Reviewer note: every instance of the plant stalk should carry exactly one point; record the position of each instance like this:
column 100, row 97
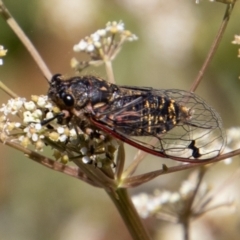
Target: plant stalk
column 6, row 15
column 185, row 226
column 213, row 48
column 129, row 214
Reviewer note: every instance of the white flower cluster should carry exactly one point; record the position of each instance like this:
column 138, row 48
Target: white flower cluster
column 105, row 43
column 233, row 142
column 168, row 205
column 28, row 129
column 148, row 205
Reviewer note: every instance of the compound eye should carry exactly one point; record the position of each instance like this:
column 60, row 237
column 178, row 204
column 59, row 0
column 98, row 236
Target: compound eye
column 67, row 99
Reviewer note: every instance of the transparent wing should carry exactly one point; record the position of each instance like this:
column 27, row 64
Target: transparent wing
column 167, row 123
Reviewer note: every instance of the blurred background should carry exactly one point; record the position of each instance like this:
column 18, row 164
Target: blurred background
column 174, row 38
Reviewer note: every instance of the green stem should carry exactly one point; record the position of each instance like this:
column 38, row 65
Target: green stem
column 213, row 48
column 25, row 40
column 109, row 70
column 129, row 214
column 185, row 226
column 8, row 90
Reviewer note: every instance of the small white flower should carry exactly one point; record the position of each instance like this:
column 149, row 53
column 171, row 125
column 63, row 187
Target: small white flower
column 97, row 44
column 12, row 106
column 62, row 138
column 10, row 126
column 141, row 201
column 38, row 126
column 20, row 139
column 86, row 160
column 41, row 136
column 28, row 132
column 17, row 124
column 37, row 114
column 48, row 105
column 60, row 130
column 186, row 187
column 3, row 119
column 4, row 109
column 81, row 46
column 132, row 37
column 34, row 137
column 175, row 197
column 236, row 39
column 115, row 27
column 3, row 52
column 41, row 101
column 54, row 136
column 233, row 135
column 95, row 37
column 227, row 161
column 49, row 115
column 72, row 133
column 90, row 48
column 39, row 145
column 165, row 196
column 18, row 103
column 28, row 117
column 102, row 32
column 120, row 26
column 153, row 204
column 29, row 105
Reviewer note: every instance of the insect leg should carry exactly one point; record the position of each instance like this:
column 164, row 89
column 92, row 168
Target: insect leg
column 57, row 116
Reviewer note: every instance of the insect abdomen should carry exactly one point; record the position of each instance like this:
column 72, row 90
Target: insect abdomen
column 151, row 115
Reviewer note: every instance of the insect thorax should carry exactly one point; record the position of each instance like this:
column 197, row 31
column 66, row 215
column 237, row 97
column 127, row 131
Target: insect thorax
column 83, row 90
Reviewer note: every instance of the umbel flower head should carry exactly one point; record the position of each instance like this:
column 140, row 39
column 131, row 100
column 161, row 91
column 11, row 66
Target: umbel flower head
column 22, row 122
column 32, row 123
column 193, row 199
column 103, row 45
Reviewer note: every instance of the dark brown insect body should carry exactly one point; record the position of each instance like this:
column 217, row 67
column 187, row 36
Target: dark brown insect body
column 185, row 128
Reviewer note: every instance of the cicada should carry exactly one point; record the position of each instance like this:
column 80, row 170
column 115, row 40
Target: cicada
column 168, row 123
